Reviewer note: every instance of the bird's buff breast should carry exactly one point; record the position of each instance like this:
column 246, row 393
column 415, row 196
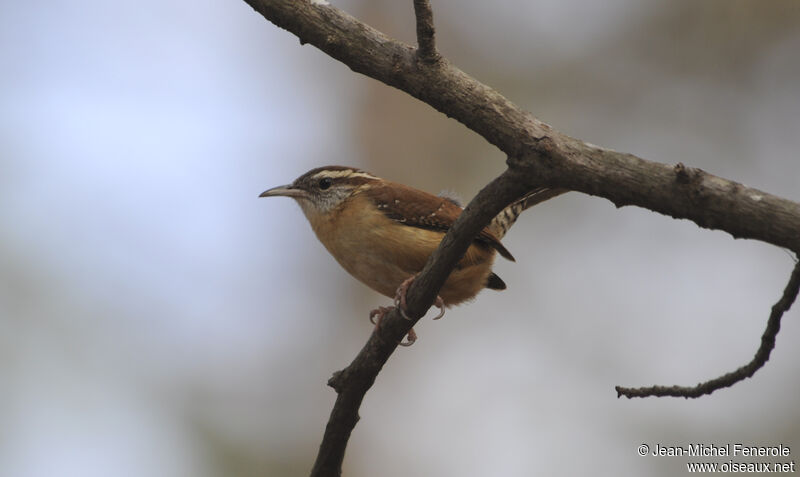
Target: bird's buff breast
column 382, row 253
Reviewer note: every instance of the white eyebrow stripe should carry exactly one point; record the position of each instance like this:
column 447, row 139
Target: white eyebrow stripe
column 344, row 173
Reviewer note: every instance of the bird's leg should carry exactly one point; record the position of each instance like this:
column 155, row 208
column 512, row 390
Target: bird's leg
column 376, row 315
column 400, row 299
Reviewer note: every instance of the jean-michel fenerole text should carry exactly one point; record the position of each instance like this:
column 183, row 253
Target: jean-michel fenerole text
column 722, row 450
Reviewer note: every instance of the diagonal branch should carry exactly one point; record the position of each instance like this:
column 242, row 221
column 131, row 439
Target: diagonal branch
column 353, row 382
column 746, row 371
column 425, row 32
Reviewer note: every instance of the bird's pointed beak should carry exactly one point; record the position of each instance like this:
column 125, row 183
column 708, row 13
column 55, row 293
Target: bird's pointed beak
column 284, row 191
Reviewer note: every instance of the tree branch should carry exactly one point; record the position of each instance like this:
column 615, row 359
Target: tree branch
column 426, row 40
column 354, row 381
column 543, row 155
column 759, row 360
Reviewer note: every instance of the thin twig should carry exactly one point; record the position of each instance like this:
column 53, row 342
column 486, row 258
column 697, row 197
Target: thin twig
column 426, row 34
column 746, row 371
column 353, row 382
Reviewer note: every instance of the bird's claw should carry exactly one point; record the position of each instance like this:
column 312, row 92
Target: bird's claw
column 376, row 315
column 439, row 303
column 411, row 336
column 400, row 299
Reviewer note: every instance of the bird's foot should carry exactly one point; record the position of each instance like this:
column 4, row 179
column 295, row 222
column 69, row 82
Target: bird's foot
column 400, row 299
column 376, row 315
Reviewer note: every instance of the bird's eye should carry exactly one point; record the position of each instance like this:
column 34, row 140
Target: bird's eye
column 324, row 183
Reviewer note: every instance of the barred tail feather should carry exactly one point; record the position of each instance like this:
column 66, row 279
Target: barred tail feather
column 506, row 218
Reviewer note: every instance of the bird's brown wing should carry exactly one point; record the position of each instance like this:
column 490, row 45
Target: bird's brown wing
column 421, row 209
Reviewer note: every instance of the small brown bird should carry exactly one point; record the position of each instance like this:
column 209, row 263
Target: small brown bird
column 383, row 232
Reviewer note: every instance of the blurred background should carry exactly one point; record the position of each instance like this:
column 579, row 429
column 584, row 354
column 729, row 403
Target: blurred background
column 157, row 318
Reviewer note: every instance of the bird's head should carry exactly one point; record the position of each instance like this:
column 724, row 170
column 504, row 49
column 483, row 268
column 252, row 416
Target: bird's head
column 321, row 190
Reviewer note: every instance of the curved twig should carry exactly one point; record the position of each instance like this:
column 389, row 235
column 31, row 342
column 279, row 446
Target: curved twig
column 729, row 379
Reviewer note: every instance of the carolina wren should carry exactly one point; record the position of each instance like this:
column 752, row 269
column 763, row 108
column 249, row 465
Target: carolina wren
column 383, row 232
